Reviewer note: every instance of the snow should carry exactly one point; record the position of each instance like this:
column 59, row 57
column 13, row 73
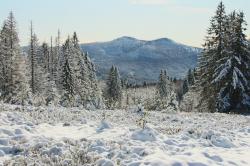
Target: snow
column 104, row 125
column 176, row 139
column 144, row 135
column 104, row 162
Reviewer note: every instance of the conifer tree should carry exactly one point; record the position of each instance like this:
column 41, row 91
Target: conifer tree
column 231, row 76
column 13, row 79
column 50, row 93
column 224, row 66
column 46, row 57
column 88, row 89
column 185, row 87
column 58, row 57
column 212, row 52
column 20, row 94
column 163, row 91
column 190, row 77
column 37, row 74
column 96, row 98
column 113, row 91
column 68, row 80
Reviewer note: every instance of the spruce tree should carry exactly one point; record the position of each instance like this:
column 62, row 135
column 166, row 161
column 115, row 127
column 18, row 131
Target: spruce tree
column 67, row 75
column 231, row 76
column 213, row 50
column 185, row 87
column 50, row 93
column 20, row 94
column 58, row 57
column 3, row 65
column 96, row 98
column 165, row 96
column 13, row 79
column 38, row 76
column 113, row 91
column 45, row 57
column 190, row 77
column 223, row 73
column 162, row 89
column 88, row 89
column 88, row 80
column 33, row 61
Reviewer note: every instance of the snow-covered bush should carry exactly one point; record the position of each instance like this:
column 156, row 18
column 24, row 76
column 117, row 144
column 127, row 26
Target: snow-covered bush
column 77, row 155
column 142, row 121
column 190, row 101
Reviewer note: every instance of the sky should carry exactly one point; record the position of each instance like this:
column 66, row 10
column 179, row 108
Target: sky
column 184, row 21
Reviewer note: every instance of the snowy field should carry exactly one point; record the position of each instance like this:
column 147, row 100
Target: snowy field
column 60, row 136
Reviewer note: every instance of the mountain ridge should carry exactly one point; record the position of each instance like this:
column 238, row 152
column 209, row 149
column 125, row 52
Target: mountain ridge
column 141, row 60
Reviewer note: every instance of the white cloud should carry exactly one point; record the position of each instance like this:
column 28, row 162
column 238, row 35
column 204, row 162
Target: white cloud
column 148, row 2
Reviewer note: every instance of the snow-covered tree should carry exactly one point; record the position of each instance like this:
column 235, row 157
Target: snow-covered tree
column 113, row 91
column 190, row 101
column 78, row 83
column 190, row 77
column 214, row 48
column 223, row 80
column 163, row 86
column 94, row 90
column 21, row 90
column 45, row 57
column 50, row 93
column 13, row 79
column 3, row 58
column 67, row 76
column 37, row 74
column 165, row 96
column 185, row 87
column 231, row 75
column 88, row 92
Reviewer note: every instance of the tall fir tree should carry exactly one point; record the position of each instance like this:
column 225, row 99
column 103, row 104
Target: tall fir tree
column 231, row 75
column 113, row 91
column 45, row 57
column 190, row 77
column 67, row 75
column 185, row 87
column 162, row 86
column 224, row 66
column 58, row 55
column 13, row 79
column 21, row 92
column 164, row 92
column 50, row 92
column 85, row 81
column 213, row 50
column 37, row 73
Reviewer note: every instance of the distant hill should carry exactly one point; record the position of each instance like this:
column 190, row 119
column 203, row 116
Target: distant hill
column 142, row 60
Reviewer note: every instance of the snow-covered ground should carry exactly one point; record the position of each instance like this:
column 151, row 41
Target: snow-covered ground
column 60, row 136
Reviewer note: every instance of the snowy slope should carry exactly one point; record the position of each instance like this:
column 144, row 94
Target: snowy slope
column 59, row 135
column 142, row 59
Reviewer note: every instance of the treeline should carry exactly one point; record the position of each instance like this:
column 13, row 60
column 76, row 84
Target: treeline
column 158, row 96
column 58, row 75
column 62, row 74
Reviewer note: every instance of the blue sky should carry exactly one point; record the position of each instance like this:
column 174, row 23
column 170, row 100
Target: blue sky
column 184, row 21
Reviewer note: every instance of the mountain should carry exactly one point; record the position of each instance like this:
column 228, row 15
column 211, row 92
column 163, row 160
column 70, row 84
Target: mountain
column 142, row 60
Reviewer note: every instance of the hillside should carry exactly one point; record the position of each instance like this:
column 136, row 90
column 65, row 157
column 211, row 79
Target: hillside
column 142, row 60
